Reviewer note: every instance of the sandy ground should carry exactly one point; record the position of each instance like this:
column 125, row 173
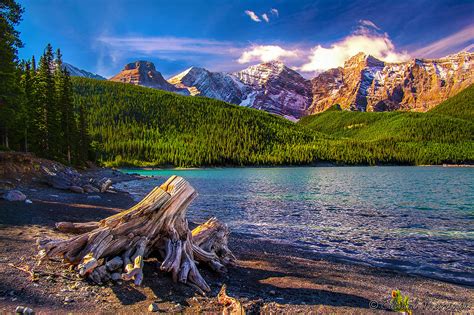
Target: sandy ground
column 268, row 278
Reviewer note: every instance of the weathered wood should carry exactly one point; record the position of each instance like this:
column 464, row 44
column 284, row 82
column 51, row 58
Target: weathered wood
column 157, row 224
column 210, row 245
column 231, row 305
column 69, row 227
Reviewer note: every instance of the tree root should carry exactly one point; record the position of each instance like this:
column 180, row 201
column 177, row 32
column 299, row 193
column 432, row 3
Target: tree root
column 157, row 225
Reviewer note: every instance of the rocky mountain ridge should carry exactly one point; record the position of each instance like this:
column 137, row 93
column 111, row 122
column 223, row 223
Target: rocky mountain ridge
column 364, row 83
column 270, row 86
column 144, row 73
column 368, row 84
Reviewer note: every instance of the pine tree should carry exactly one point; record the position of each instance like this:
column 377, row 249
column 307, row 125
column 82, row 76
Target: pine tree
column 10, row 16
column 65, row 106
column 28, row 105
column 83, row 141
column 48, row 120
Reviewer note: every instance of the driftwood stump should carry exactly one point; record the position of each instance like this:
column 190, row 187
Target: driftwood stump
column 116, row 247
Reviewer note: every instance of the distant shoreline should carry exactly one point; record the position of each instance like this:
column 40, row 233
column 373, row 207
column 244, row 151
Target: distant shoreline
column 164, row 168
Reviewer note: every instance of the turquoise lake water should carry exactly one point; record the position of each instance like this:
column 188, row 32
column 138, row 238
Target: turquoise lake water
column 416, row 219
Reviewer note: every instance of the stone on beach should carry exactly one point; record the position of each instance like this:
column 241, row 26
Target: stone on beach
column 24, row 310
column 14, row 195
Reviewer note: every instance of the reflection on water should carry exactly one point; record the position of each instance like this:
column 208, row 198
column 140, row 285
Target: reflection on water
column 419, row 219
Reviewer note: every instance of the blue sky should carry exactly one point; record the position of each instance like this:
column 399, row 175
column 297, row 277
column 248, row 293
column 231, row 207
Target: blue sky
column 311, row 36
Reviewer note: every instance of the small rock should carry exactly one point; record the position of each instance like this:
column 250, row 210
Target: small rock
column 67, row 299
column 28, row 201
column 23, row 310
column 272, row 292
column 94, row 197
column 153, row 307
column 14, row 195
column 76, row 189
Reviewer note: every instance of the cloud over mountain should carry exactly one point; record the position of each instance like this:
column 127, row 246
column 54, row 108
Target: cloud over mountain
column 380, row 46
column 265, row 53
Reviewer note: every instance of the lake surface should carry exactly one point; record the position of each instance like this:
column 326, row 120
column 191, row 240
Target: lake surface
column 416, row 219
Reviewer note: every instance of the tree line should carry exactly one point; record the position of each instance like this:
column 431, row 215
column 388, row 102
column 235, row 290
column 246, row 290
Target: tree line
column 37, row 113
column 136, row 126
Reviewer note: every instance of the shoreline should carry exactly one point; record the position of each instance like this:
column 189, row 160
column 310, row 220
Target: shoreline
column 282, row 166
column 269, row 276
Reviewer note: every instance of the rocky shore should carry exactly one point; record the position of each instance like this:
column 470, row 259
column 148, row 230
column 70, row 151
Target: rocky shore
column 268, row 277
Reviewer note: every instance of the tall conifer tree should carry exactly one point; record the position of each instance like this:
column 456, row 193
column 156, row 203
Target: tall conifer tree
column 10, row 16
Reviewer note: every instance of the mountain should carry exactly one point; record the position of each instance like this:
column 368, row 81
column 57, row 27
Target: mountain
column 218, row 85
column 364, row 83
column 277, row 89
column 76, row 72
column 271, row 87
column 144, row 73
column 368, row 84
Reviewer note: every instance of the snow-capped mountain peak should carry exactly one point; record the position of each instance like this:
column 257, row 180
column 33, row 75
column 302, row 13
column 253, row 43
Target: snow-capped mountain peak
column 76, row 72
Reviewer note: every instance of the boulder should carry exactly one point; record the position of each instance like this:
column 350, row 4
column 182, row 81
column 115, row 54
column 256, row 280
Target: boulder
column 14, row 195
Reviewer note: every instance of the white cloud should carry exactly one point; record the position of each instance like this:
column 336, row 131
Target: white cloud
column 265, row 17
column 275, row 12
column 266, row 53
column 253, row 16
column 369, row 24
column 449, row 44
column 379, row 46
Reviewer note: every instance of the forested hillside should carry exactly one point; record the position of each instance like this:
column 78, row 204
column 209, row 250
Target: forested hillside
column 131, row 125
column 136, row 126
column 459, row 106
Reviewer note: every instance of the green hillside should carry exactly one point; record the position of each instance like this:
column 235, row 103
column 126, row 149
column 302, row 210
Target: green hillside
column 137, row 126
column 459, row 106
column 132, row 125
column 396, row 126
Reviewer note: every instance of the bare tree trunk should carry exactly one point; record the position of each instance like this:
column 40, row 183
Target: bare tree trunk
column 156, row 225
